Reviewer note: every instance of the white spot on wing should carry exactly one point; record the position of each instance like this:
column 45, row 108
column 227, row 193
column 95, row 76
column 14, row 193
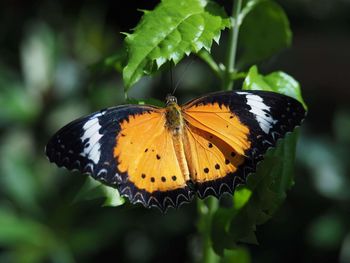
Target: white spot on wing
column 91, row 134
column 259, row 109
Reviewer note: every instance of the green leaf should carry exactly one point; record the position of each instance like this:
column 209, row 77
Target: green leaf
column 277, row 81
column 255, row 81
column 38, row 51
column 112, row 195
column 113, row 62
column 18, row 179
column 173, row 29
column 247, row 8
column 207, row 57
column 29, row 240
column 285, row 84
column 239, row 255
column 117, row 60
column 93, row 189
column 15, row 230
column 327, row 231
column 17, row 104
column 264, row 31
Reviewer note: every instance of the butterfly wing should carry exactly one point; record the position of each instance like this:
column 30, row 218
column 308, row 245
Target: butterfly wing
column 122, row 147
column 130, row 147
column 149, row 169
column 227, row 133
column 87, row 144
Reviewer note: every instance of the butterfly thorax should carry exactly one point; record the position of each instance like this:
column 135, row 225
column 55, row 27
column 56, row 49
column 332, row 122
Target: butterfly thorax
column 174, row 119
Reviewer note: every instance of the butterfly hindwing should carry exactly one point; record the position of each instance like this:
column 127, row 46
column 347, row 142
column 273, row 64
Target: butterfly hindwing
column 239, row 127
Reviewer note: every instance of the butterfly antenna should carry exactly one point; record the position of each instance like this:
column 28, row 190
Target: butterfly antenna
column 171, row 77
column 182, row 75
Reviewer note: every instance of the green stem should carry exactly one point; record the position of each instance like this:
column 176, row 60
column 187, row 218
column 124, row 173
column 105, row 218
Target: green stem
column 207, row 209
column 205, row 56
column 232, row 45
column 126, row 97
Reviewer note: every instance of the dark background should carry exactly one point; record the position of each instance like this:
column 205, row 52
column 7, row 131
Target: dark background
column 47, row 49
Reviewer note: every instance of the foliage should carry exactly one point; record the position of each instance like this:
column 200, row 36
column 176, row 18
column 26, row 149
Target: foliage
column 171, row 30
column 277, row 81
column 264, row 31
column 49, row 215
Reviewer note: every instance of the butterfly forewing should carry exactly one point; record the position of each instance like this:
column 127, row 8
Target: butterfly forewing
column 87, row 144
column 270, row 116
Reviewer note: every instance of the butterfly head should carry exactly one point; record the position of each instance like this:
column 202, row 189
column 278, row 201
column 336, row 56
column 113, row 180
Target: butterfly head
column 170, row 99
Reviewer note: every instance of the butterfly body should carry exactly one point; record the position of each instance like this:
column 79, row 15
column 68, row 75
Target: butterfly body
column 164, row 156
column 175, row 124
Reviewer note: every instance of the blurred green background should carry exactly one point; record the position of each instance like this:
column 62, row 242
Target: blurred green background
column 49, row 75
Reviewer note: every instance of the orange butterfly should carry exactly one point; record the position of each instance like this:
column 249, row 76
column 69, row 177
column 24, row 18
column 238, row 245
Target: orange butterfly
column 164, row 156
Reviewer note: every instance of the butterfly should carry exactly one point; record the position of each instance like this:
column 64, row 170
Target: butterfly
column 163, row 157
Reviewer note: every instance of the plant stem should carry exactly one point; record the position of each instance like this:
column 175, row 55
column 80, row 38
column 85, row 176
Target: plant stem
column 205, row 56
column 211, row 205
column 232, row 45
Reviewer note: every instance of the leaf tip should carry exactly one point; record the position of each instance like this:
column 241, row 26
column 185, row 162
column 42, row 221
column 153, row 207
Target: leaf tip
column 144, row 11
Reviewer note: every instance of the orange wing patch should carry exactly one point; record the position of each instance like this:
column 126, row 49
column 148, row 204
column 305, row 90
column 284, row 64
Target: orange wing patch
column 209, row 157
column 219, row 121
column 216, row 143
column 145, row 152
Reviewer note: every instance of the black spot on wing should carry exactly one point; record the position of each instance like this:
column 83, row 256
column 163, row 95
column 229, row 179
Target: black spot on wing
column 226, row 184
column 66, row 147
column 160, row 199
